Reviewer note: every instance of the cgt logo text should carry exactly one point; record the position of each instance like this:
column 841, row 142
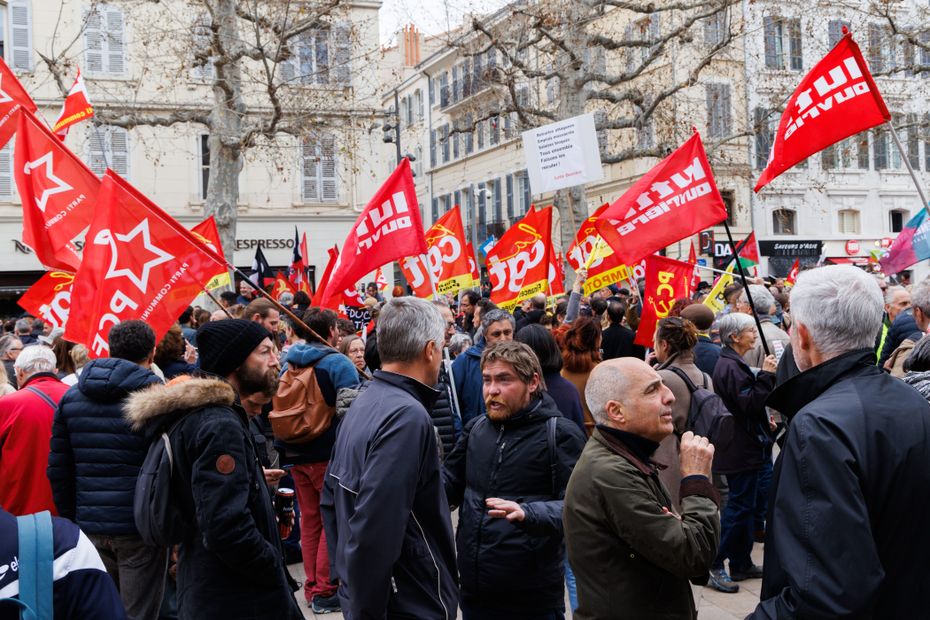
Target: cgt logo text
column 679, row 189
column 382, row 221
column 828, row 93
column 517, row 266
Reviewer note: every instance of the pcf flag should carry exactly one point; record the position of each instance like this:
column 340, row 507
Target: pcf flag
column 139, row 263
column 207, row 233
column 388, row 229
column 76, row 108
column 518, row 264
column 59, row 194
column 666, row 281
column 281, row 286
column 675, row 199
column 911, row 246
column 837, row 99
column 50, row 298
column 13, row 98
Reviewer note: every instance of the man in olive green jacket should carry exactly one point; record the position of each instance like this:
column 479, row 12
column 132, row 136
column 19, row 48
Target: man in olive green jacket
column 632, row 555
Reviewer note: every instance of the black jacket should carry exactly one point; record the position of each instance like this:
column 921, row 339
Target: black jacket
column 95, row 457
column 706, row 354
column 445, row 412
column 744, row 394
column 386, row 516
column 846, row 533
column 903, row 327
column 230, row 565
column 512, row 566
column 617, row 341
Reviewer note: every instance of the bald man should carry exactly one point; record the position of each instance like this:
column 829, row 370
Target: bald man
column 633, row 556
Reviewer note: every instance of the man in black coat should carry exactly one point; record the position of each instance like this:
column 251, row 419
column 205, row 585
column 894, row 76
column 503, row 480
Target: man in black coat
column 847, row 534
column 902, row 327
column 230, row 563
column 508, row 475
column 445, row 413
column 386, row 516
column 617, row 340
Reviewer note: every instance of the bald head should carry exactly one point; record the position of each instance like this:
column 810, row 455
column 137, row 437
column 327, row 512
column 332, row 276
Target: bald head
column 611, row 380
column 628, row 394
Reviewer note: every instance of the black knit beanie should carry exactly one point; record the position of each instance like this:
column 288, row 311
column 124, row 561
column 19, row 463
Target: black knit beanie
column 224, row 345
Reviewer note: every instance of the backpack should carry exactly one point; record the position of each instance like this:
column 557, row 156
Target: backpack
column 36, row 558
column 300, row 414
column 708, row 415
column 158, row 519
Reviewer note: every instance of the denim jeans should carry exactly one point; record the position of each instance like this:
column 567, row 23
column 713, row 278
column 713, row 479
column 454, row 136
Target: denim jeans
column 570, row 585
column 138, row 570
column 737, row 521
column 762, row 495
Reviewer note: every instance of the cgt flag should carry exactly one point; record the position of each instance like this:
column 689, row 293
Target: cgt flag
column 50, row 298
column 672, row 201
column 444, row 267
column 473, row 266
column 604, row 267
column 666, row 281
column 793, row 272
column 59, row 194
column 837, row 99
column 388, row 229
column 519, row 262
column 139, row 263
column 13, row 98
column 76, row 108
column 208, row 234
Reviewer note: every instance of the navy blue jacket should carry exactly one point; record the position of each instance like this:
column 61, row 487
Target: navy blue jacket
column 512, row 567
column 903, row 327
column 95, row 458
column 82, row 588
column 466, row 370
column 846, row 534
column 566, row 397
column 706, row 354
column 386, row 516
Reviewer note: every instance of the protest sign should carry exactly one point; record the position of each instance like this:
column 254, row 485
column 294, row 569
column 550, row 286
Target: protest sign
column 563, row 154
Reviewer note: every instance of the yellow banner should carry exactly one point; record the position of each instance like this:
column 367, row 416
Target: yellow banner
column 525, row 293
column 715, row 300
column 596, row 283
column 220, row 279
column 453, row 285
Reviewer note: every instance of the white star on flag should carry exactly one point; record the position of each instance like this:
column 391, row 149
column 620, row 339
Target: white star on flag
column 4, row 98
column 141, row 282
column 60, row 186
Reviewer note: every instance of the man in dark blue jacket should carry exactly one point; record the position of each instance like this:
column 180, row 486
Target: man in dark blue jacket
column 386, row 514
column 95, row 459
column 508, row 475
column 497, row 326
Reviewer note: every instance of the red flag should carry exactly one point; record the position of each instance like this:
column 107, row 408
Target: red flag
column 50, row 298
column 13, row 98
column 666, row 281
column 692, row 259
column 59, row 194
column 207, row 233
column 837, row 99
column 281, row 286
column 444, row 268
column 333, row 253
column 556, row 274
column 518, row 264
column 672, row 201
column 388, row 229
column 748, row 250
column 76, row 108
column 605, row 268
column 793, row 272
column 139, row 263
column 473, row 266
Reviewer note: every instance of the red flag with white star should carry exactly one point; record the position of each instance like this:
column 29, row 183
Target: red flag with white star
column 13, row 98
column 50, row 298
column 139, row 263
column 76, row 108
column 59, row 193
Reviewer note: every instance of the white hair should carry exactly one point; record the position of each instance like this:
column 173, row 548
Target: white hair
column 733, row 324
column 920, row 296
column 405, row 324
column 891, row 291
column 841, row 306
column 762, row 299
column 35, row 359
column 605, row 383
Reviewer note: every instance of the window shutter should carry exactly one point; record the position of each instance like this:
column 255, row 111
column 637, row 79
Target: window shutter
column 21, row 34
column 6, row 171
column 96, row 149
column 762, row 138
column 527, row 198
column 771, row 43
column 321, row 56
column 432, row 148
column 835, row 31
column 118, row 139
column 795, row 49
column 342, row 54
column 510, row 214
column 456, row 85
column 116, row 61
column 876, row 61
column 498, row 211
column 310, row 172
column 328, row 169
column 94, row 42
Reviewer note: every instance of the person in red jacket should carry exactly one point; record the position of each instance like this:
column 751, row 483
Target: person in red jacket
column 25, row 431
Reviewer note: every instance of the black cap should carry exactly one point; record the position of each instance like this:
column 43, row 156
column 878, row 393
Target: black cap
column 224, row 345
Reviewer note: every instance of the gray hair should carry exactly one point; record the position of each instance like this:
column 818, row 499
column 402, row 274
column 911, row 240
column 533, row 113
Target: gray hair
column 35, row 359
column 495, row 315
column 920, row 296
column 7, row 341
column 841, row 306
column 286, row 298
column 891, row 291
column 405, row 325
column 762, row 299
column 459, row 343
column 605, row 383
column 23, row 326
column 732, row 325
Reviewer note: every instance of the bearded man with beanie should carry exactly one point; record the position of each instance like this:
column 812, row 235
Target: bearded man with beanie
column 230, row 565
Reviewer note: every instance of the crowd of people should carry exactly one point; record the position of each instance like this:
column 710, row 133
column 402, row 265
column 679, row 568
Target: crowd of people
column 451, row 455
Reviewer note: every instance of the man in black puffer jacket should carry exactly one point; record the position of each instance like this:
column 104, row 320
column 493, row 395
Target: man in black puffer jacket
column 508, row 475
column 94, row 461
column 445, row 413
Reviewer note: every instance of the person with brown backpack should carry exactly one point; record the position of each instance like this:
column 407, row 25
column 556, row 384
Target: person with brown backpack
column 304, row 425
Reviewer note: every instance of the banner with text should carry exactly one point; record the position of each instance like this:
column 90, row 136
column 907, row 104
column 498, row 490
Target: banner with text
column 518, row 264
column 666, row 281
column 563, row 154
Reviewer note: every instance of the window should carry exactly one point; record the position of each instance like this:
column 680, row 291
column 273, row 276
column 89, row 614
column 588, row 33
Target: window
column 881, row 49
column 783, row 43
column 896, row 219
column 418, row 103
column 202, row 66
column 108, row 147
column 783, row 222
column 510, row 204
column 716, row 28
column 203, row 163
column 523, row 194
column 851, row 153
column 444, row 89
column 104, row 41
column 320, row 57
column 765, row 126
column 455, row 143
column 319, row 169
column 435, row 209
column 913, row 141
column 729, row 201
column 849, row 221
column 477, row 79
column 718, row 110
column 835, row 31
column 445, row 143
column 466, row 78
column 482, row 213
column 432, row 91
column 6, row 171
column 884, row 154
column 925, row 52
column 469, row 130
column 432, row 148
column 20, row 15
column 494, row 124
column 456, row 85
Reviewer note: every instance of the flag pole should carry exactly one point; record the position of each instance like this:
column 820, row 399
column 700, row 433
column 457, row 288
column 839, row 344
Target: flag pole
column 216, row 301
column 742, row 277
column 907, row 163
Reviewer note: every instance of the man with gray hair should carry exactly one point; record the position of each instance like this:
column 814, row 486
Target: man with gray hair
column 847, row 534
column 633, row 556
column 385, row 512
column 776, row 338
column 26, row 420
column 496, row 326
column 911, row 323
column 23, row 331
column 10, row 348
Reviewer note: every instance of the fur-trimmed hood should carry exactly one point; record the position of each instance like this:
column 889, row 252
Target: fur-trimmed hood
column 144, row 406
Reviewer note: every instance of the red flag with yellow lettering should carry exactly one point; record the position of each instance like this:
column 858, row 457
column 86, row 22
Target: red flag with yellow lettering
column 444, row 268
column 518, row 264
column 666, row 281
column 50, row 298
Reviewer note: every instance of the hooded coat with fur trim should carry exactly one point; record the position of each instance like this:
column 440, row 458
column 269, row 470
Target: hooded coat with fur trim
column 231, row 565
